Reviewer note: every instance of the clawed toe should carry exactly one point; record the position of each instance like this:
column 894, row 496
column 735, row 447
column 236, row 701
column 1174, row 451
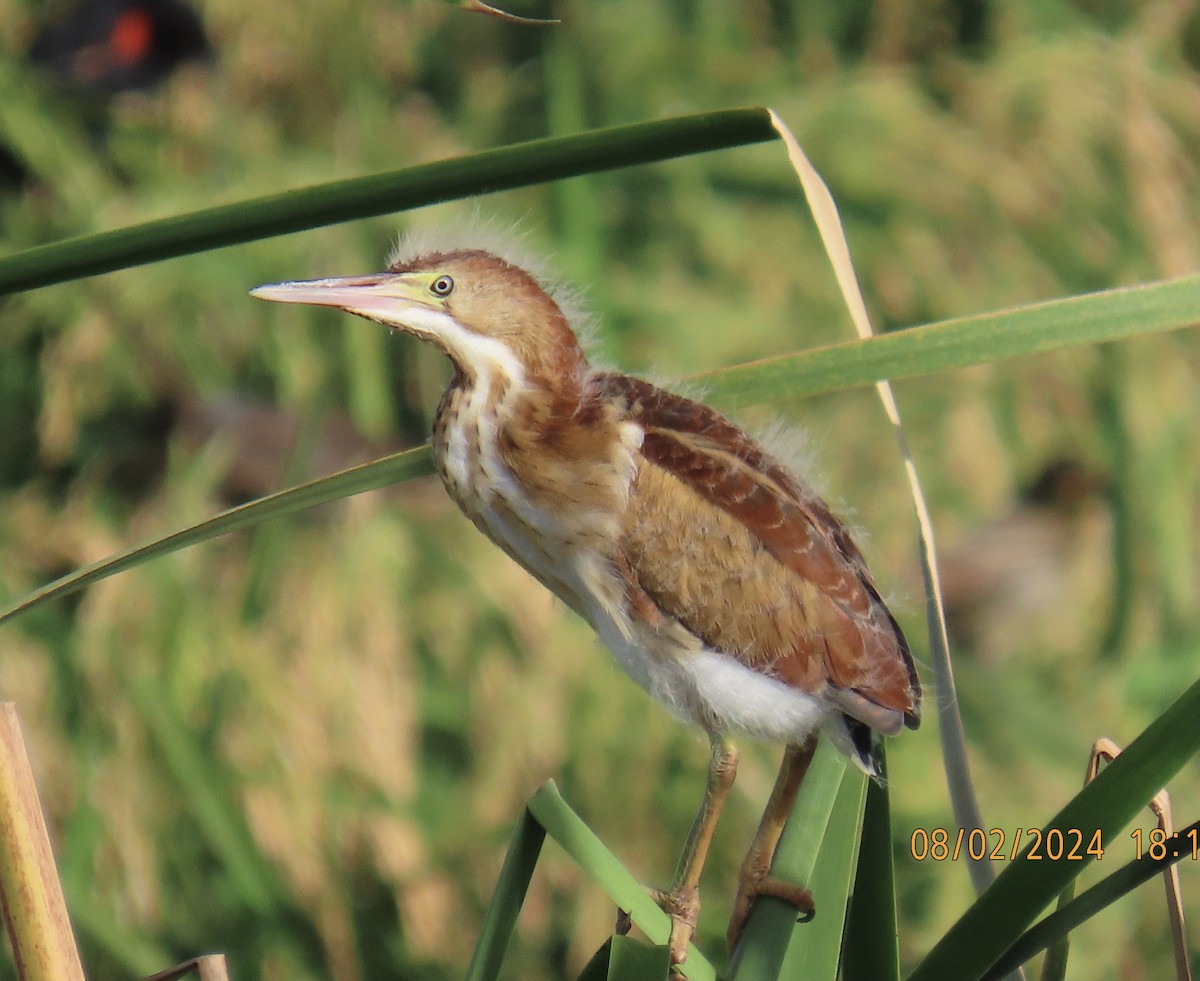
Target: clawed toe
column 682, row 905
column 751, row 887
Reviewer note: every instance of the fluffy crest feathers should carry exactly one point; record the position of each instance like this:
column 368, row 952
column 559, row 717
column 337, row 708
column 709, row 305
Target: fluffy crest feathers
column 509, row 242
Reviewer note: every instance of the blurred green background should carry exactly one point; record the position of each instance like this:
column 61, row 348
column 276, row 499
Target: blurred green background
column 306, row 745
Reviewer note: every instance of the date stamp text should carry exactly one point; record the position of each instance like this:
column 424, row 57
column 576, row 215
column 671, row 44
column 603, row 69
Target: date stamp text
column 1053, row 844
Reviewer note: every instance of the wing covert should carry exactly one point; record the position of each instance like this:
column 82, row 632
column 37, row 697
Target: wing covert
column 727, row 541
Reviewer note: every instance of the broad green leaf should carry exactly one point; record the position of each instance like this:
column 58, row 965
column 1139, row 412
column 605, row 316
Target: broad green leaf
column 507, row 898
column 1104, row 893
column 815, row 948
column 764, row 945
column 628, row 959
column 580, row 842
column 1071, row 322
column 518, row 165
column 635, row 960
column 870, row 949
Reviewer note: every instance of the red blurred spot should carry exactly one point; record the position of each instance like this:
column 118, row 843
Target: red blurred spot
column 131, row 37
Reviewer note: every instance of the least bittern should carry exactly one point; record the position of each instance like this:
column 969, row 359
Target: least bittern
column 721, row 582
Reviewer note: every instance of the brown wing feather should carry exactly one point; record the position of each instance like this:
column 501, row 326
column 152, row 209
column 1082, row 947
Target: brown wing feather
column 771, row 576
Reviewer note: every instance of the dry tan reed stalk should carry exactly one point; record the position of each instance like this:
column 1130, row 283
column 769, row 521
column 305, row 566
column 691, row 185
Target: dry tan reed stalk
column 35, row 914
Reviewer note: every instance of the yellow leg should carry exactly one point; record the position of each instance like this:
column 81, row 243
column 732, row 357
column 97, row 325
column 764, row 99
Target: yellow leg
column 755, row 880
column 682, row 901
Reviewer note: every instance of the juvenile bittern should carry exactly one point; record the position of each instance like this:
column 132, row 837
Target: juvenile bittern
column 720, row 581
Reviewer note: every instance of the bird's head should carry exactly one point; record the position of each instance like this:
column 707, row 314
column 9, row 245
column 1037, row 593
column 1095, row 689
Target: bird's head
column 488, row 315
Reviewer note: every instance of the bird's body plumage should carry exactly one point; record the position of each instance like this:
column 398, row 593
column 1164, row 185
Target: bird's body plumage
column 721, row 582
column 716, row 578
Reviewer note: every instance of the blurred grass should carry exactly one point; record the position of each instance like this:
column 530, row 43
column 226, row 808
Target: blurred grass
column 402, row 689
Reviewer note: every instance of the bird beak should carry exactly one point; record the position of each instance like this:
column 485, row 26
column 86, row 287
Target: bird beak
column 384, row 297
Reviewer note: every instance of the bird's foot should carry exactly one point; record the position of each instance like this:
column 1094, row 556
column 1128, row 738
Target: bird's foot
column 682, row 905
column 755, row 884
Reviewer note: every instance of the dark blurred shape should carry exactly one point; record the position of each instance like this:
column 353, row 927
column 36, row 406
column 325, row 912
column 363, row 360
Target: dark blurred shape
column 112, row 46
column 1064, row 486
column 1009, row 576
column 14, row 174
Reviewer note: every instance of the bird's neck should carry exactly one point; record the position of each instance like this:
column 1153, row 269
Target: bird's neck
column 488, row 409
column 508, row 384
column 543, row 470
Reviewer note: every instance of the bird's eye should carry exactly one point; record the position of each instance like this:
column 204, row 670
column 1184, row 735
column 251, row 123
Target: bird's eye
column 442, row 286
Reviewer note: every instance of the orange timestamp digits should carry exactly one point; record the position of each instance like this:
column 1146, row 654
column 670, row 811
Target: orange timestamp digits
column 996, row 845
column 1159, row 845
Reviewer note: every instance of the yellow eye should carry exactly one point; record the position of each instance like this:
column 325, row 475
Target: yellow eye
column 442, row 286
